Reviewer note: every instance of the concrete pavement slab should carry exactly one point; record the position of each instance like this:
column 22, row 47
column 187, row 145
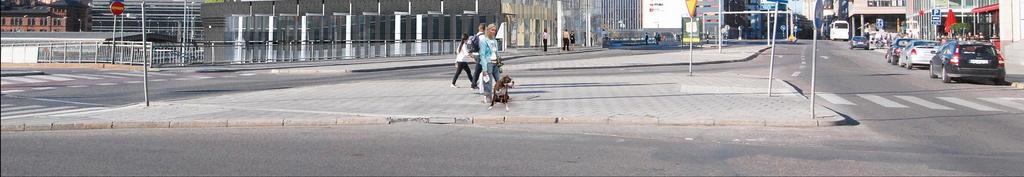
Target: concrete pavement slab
column 667, row 99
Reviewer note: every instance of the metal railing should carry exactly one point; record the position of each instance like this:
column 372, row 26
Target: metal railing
column 74, row 52
column 224, row 52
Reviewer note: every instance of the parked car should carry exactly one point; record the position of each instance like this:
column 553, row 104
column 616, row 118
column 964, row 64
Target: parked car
column 960, row 59
column 917, row 53
column 892, row 54
column 859, row 42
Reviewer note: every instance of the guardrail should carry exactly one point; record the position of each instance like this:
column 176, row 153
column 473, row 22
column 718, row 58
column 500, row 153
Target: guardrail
column 221, row 52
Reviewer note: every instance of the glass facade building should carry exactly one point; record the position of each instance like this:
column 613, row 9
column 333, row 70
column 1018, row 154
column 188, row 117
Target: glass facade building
column 179, row 18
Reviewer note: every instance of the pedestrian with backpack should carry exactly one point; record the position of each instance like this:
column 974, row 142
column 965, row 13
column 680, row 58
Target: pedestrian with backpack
column 473, row 47
column 462, row 59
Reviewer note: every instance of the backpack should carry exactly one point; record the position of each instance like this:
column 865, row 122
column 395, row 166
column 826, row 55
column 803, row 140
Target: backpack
column 474, row 44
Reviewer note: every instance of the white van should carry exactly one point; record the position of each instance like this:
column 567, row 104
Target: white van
column 840, row 30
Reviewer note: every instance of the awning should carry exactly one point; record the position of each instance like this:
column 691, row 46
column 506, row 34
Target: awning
column 984, row 9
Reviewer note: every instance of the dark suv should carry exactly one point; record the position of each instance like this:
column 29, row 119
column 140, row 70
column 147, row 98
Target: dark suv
column 859, row 42
column 957, row 59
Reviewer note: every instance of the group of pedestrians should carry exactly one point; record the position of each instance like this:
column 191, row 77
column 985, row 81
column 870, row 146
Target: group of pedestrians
column 481, row 50
column 568, row 39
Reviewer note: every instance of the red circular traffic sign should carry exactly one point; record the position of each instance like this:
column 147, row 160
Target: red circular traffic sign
column 116, row 7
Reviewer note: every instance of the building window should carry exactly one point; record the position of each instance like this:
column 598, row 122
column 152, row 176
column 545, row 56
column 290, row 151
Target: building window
column 887, row 3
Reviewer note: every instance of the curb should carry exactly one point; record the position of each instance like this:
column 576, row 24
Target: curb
column 748, row 58
column 1018, row 85
column 484, row 120
column 20, row 73
column 281, row 69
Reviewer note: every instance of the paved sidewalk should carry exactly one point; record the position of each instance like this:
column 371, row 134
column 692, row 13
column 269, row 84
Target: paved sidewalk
column 700, row 56
column 367, row 64
column 705, row 56
column 639, row 99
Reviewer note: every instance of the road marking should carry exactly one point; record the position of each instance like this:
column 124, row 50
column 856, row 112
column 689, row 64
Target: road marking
column 56, row 113
column 126, row 74
column 834, row 99
column 247, row 74
column 882, row 101
column 77, row 76
column 795, row 74
column 161, row 74
column 6, row 105
column 924, row 103
column 11, row 91
column 1005, row 102
column 228, row 76
column 132, row 82
column 158, row 80
column 11, row 115
column 106, row 84
column 103, row 76
column 59, row 101
column 194, row 78
column 4, row 82
column 43, row 88
column 803, row 63
column 968, row 104
column 22, row 107
column 20, row 79
column 78, row 86
column 825, row 57
column 52, row 78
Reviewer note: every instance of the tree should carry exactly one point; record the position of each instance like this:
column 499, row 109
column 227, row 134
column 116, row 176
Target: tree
column 961, row 28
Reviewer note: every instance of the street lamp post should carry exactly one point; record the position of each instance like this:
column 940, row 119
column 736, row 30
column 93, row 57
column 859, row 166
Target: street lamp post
column 771, row 41
column 721, row 21
column 145, row 58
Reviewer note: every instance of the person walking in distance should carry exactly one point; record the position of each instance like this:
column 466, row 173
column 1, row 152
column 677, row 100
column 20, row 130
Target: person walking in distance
column 572, row 39
column 462, row 59
column 490, row 61
column 565, row 40
column 473, row 47
column 544, row 36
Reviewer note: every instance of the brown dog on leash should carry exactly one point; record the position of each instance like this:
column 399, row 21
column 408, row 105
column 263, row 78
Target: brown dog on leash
column 500, row 93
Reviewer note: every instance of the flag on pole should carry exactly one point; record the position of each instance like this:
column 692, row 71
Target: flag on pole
column 950, row 20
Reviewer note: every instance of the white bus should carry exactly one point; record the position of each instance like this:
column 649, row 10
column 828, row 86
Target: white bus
column 840, row 30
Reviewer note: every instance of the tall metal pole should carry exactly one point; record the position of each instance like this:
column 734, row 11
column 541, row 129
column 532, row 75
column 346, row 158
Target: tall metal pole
column 814, row 58
column 771, row 39
column 768, row 29
column 145, row 58
column 691, row 48
column 113, row 39
column 721, row 22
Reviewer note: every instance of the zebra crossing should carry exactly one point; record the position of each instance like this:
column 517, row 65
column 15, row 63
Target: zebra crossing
column 10, row 111
column 946, row 103
column 35, row 79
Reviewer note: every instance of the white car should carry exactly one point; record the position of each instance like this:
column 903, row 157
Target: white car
column 918, row 53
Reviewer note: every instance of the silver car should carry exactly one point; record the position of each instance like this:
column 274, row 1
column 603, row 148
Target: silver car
column 917, row 53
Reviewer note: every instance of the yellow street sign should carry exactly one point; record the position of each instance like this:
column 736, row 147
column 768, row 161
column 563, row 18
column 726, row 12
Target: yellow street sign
column 691, row 6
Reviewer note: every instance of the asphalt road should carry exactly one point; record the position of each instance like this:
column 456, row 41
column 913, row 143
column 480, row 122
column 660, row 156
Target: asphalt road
column 908, row 125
